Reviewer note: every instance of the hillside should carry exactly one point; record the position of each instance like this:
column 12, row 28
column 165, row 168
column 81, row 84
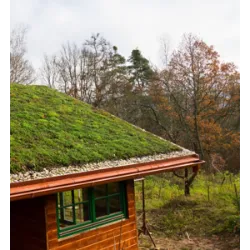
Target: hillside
column 51, row 129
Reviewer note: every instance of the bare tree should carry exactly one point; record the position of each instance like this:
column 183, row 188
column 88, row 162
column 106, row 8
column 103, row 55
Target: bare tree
column 165, row 50
column 84, row 73
column 21, row 70
column 49, row 73
column 85, row 82
column 182, row 79
column 68, row 68
column 100, row 53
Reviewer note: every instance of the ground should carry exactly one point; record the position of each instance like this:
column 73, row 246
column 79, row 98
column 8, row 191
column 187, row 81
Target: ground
column 214, row 242
column 198, row 222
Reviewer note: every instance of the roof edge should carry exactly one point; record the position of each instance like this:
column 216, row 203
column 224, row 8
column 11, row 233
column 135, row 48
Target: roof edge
column 46, row 186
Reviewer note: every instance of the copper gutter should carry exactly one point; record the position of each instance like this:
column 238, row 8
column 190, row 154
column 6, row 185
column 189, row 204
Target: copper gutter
column 41, row 187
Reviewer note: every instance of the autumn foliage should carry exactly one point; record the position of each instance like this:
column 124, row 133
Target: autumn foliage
column 201, row 97
column 194, row 100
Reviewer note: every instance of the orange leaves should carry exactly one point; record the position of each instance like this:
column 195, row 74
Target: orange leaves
column 200, row 98
column 216, row 139
column 224, row 67
column 228, row 68
column 210, row 133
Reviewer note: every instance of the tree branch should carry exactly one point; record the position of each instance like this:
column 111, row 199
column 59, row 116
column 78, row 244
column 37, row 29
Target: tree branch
column 191, row 179
column 179, row 176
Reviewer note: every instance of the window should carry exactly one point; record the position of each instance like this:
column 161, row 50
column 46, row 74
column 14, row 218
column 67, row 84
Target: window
column 83, row 209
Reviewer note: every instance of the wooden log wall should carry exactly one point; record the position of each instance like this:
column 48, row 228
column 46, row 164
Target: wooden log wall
column 27, row 225
column 120, row 235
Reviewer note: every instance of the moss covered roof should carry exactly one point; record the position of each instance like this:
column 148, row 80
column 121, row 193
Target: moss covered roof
column 51, row 129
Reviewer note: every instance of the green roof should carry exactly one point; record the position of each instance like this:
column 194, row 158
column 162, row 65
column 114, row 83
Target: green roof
column 51, row 129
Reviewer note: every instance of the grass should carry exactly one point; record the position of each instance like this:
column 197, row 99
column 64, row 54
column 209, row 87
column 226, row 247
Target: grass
column 51, row 129
column 171, row 214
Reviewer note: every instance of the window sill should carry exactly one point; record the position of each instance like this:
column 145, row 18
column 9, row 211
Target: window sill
column 62, row 238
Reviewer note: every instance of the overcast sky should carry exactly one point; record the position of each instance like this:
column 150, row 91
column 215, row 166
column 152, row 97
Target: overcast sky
column 128, row 24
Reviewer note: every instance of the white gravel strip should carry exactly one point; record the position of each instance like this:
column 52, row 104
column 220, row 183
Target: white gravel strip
column 59, row 171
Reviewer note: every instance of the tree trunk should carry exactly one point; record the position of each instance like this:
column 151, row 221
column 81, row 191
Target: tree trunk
column 186, row 182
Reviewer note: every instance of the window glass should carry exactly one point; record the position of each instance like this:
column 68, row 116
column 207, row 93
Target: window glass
column 101, row 207
column 67, row 198
column 80, row 195
column 66, row 216
column 114, row 204
column 100, row 191
column 82, row 213
column 83, row 209
column 113, row 188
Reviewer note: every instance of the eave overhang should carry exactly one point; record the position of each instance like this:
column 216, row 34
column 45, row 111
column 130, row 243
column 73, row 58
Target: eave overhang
column 46, row 186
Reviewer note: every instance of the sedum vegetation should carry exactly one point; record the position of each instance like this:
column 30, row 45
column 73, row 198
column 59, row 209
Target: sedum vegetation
column 49, row 128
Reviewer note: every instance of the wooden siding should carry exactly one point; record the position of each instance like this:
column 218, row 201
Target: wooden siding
column 27, row 225
column 122, row 234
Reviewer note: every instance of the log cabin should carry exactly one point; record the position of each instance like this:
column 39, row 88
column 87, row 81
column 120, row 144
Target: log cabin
column 72, row 171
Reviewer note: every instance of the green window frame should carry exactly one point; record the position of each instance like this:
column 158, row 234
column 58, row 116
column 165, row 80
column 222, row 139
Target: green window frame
column 80, row 210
